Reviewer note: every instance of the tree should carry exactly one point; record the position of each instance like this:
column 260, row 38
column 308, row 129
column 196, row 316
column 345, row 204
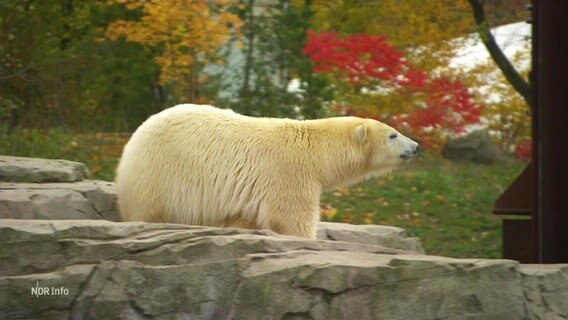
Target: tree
column 408, row 23
column 420, row 27
column 187, row 35
column 510, row 73
column 376, row 80
column 56, row 71
column 274, row 35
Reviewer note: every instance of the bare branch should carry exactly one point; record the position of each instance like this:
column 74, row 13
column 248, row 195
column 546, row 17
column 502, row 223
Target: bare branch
column 18, row 74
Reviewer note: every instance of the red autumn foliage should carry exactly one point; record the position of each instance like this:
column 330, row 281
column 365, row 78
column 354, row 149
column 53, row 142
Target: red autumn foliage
column 447, row 104
column 365, row 61
column 523, row 150
column 358, row 57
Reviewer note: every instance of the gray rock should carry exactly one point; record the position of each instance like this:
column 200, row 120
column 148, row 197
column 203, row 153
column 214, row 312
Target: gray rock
column 105, row 270
column 20, row 169
column 476, row 147
column 390, row 237
column 88, row 199
column 546, row 290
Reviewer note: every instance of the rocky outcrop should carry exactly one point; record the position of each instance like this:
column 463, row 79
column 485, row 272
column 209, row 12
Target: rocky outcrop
column 21, row 169
column 476, row 147
column 88, row 199
column 33, row 188
column 104, row 270
column 387, row 236
column 546, row 290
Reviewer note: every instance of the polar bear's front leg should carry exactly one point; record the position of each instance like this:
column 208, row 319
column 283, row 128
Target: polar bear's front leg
column 295, row 221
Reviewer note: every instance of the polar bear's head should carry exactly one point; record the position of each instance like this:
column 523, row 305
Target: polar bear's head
column 385, row 146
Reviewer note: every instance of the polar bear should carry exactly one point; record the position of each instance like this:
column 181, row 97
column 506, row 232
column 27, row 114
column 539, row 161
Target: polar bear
column 200, row 165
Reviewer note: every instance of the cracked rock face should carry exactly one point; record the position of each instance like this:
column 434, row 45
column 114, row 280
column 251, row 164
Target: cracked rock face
column 33, row 188
column 88, row 199
column 387, row 236
column 104, row 270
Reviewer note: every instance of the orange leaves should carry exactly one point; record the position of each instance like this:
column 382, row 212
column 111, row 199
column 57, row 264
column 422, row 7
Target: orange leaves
column 341, row 191
column 327, row 212
column 188, row 34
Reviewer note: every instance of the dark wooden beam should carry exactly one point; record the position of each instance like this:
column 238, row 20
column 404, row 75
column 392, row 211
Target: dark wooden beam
column 550, row 129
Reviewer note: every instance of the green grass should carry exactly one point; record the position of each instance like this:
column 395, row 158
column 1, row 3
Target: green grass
column 100, row 152
column 448, row 205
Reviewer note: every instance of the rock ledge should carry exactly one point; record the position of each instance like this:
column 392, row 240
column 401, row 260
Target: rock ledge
column 97, row 269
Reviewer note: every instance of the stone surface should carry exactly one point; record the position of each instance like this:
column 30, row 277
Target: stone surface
column 104, row 270
column 20, row 169
column 88, row 199
column 546, row 291
column 476, row 147
column 387, row 236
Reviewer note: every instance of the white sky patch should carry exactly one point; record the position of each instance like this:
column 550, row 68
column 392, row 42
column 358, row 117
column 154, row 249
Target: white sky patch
column 512, row 38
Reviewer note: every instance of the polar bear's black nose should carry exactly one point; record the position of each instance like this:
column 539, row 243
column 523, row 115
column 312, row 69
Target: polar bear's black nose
column 409, row 154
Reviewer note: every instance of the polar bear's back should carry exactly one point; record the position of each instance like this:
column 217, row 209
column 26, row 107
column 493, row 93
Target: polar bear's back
column 196, row 165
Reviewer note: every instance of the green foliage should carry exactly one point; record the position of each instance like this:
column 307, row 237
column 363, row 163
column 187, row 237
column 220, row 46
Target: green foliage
column 273, row 40
column 53, row 62
column 56, row 66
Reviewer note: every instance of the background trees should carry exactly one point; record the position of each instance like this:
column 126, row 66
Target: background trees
column 373, row 79
column 185, row 37
column 57, row 72
column 106, row 66
column 72, row 70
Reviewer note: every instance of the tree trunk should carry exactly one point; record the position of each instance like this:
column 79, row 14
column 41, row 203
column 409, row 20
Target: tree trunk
column 511, row 74
column 245, row 90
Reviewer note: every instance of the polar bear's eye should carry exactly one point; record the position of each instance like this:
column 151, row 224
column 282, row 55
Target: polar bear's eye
column 393, row 136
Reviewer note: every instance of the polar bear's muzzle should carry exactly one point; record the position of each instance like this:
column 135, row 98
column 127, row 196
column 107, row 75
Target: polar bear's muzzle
column 411, row 152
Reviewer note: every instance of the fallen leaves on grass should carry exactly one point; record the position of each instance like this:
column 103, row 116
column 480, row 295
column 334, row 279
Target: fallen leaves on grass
column 348, row 218
column 339, row 192
column 327, row 212
column 368, row 217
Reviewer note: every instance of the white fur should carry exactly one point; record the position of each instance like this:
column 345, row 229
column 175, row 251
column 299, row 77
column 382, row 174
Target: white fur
column 197, row 164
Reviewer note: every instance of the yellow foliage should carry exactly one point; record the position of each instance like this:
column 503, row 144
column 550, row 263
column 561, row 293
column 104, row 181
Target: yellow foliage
column 407, row 24
column 506, row 114
column 187, row 32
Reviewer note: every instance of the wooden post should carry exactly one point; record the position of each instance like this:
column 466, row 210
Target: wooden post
column 550, row 129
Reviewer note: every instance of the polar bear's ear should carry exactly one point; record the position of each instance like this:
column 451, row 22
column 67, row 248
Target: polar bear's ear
column 361, row 132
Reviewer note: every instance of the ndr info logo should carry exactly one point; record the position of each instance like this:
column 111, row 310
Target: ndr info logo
column 49, row 291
